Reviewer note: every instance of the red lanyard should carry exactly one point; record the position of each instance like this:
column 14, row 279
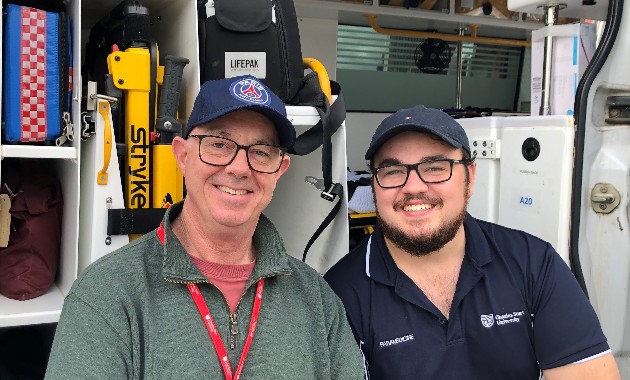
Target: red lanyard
column 212, row 329
column 214, row 333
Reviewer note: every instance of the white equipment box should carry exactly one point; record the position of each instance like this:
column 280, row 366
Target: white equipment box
column 524, row 174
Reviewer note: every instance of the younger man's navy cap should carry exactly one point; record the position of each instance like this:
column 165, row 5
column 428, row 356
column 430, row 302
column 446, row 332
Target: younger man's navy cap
column 420, row 119
column 219, row 97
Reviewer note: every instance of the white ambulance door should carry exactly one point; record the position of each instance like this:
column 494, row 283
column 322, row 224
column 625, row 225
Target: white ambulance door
column 600, row 223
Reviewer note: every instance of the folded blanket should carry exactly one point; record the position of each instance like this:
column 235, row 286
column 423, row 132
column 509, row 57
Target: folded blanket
column 362, row 201
column 356, row 176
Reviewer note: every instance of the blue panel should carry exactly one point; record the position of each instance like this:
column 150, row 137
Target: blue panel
column 53, row 115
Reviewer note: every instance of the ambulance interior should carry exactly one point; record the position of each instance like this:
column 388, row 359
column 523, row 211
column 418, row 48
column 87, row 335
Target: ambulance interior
column 481, row 60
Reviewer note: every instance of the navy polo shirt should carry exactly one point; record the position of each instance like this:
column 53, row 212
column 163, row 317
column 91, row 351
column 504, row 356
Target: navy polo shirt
column 517, row 309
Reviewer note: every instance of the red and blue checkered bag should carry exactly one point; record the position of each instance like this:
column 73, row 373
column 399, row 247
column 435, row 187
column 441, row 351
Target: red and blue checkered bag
column 36, row 74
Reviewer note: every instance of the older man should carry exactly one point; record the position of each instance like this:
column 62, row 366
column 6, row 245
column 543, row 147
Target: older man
column 437, row 294
column 211, row 293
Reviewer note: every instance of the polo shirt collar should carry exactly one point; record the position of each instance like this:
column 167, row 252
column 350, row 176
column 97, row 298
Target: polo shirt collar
column 379, row 264
column 478, row 248
column 271, row 259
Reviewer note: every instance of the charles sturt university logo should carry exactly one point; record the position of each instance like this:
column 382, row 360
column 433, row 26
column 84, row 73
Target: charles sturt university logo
column 487, row 320
column 251, row 91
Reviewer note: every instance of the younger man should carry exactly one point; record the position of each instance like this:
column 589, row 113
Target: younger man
column 437, row 294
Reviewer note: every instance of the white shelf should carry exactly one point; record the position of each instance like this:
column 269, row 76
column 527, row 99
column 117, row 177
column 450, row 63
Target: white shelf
column 35, row 151
column 43, row 309
column 47, row 307
column 571, row 8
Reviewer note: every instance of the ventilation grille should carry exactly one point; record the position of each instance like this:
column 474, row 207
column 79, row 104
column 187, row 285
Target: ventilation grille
column 361, row 48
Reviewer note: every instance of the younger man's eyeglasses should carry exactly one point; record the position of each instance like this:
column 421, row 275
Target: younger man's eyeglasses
column 430, row 171
column 221, row 151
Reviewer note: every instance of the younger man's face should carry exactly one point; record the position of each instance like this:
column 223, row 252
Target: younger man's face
column 421, row 218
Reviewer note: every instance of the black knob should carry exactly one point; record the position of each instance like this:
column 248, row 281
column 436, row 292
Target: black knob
column 530, row 149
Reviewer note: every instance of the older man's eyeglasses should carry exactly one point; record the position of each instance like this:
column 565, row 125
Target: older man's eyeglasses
column 221, row 151
column 430, row 171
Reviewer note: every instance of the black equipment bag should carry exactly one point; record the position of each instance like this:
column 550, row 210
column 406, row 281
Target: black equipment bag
column 257, row 37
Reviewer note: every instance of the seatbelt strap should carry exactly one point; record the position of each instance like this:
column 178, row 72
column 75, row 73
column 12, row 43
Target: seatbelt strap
column 201, row 31
column 329, row 218
column 126, row 221
column 331, row 118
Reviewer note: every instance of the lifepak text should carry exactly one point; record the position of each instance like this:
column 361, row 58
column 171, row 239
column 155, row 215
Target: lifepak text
column 244, row 63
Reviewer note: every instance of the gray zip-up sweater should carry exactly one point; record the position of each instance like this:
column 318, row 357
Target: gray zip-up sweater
column 130, row 316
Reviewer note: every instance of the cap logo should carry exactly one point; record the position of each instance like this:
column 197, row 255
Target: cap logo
column 250, row 91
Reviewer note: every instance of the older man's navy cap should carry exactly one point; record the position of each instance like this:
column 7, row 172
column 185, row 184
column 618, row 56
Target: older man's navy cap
column 420, row 119
column 222, row 96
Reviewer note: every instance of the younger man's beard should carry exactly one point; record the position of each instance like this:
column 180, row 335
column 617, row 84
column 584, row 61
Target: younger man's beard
column 424, row 245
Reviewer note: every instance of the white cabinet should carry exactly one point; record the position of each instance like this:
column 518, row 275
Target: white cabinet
column 65, row 161
column 174, row 26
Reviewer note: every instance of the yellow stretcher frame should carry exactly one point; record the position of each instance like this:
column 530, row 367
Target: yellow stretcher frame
column 130, row 70
column 355, row 222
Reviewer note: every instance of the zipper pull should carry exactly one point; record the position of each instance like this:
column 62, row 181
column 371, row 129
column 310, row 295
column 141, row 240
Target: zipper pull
column 233, row 330
column 11, row 193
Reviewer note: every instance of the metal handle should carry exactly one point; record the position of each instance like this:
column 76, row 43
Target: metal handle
column 603, row 198
column 103, row 109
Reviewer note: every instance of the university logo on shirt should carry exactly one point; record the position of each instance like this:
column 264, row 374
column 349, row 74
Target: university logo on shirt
column 487, row 320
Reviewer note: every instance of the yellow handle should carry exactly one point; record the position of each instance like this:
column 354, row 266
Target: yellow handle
column 322, row 74
column 103, row 109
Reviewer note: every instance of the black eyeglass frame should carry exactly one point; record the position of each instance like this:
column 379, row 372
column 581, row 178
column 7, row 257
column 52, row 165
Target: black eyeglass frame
column 467, row 161
column 246, row 148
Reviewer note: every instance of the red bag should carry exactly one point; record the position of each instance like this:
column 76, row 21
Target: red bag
column 29, row 263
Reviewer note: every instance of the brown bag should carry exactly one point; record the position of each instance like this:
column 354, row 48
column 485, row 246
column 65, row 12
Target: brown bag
column 29, row 263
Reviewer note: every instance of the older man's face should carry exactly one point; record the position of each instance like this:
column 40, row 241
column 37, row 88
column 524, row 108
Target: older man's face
column 419, row 217
column 232, row 195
